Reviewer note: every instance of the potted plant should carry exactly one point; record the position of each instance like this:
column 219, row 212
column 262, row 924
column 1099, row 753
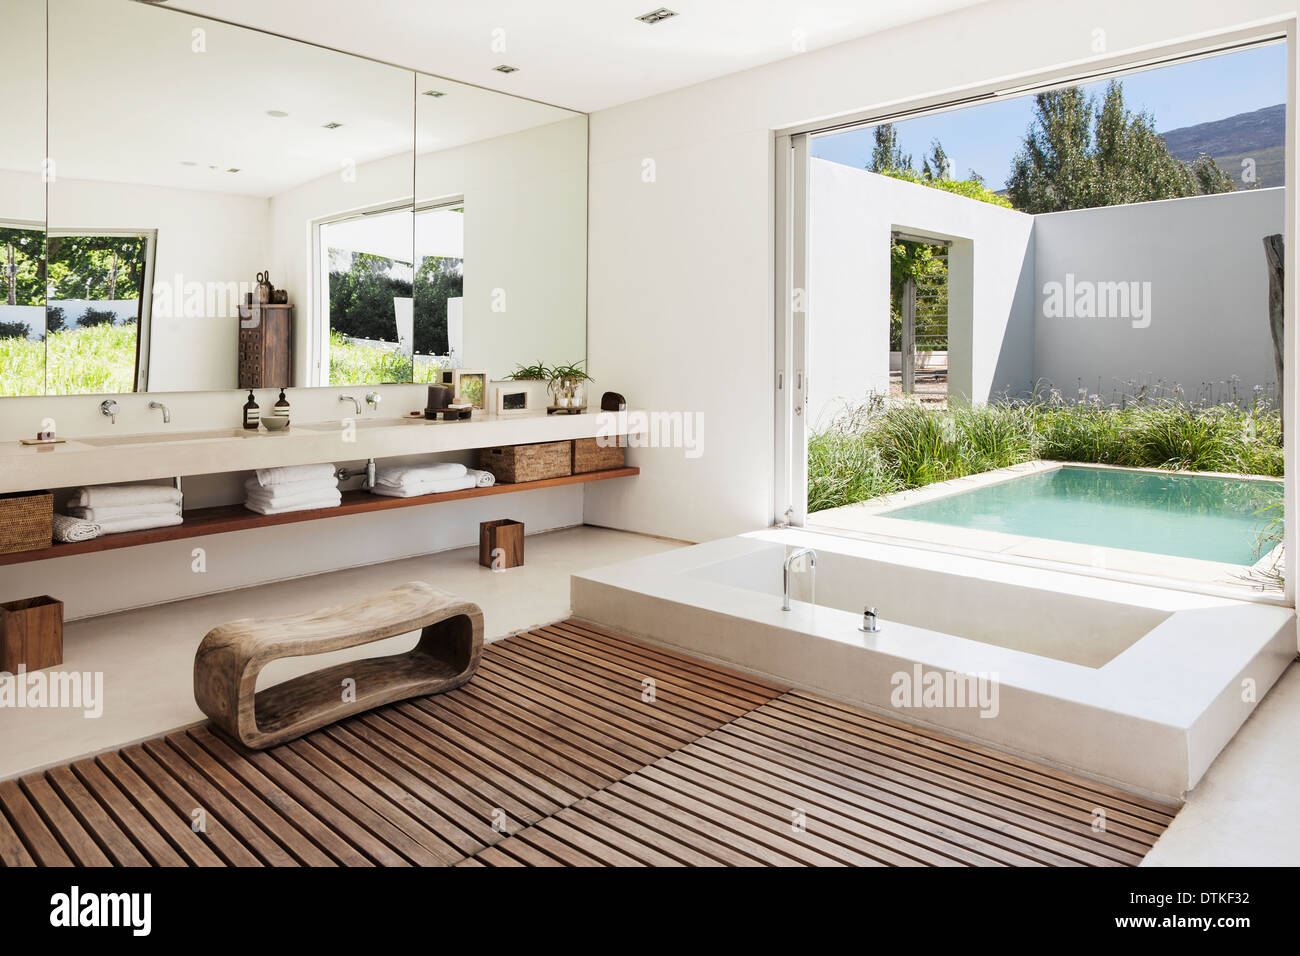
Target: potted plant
column 530, row 373
column 566, row 383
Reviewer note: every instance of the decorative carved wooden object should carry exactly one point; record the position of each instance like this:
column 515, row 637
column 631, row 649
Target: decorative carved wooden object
column 266, row 346
column 232, row 655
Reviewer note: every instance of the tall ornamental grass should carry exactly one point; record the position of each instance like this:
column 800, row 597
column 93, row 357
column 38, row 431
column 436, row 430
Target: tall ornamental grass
column 873, row 449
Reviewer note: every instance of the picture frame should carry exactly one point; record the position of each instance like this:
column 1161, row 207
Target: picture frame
column 512, row 399
column 471, row 383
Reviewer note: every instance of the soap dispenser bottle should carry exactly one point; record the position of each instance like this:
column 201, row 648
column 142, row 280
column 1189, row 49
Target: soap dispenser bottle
column 281, row 409
column 252, row 414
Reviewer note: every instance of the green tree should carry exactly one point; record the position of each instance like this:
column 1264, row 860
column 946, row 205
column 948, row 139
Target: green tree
column 1079, row 153
column 361, row 297
column 438, row 280
column 22, row 259
column 98, row 268
column 886, row 155
column 937, row 165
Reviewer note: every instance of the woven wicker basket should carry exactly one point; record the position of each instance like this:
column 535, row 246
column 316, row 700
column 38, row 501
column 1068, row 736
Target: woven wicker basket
column 26, row 521
column 590, row 455
column 512, row 464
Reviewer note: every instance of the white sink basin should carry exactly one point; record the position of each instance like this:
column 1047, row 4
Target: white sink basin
column 361, row 424
column 168, row 438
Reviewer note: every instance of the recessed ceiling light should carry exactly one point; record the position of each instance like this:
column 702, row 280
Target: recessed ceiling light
column 278, row 114
column 657, row 16
column 233, row 169
column 331, row 126
column 188, row 162
column 506, row 68
column 434, row 93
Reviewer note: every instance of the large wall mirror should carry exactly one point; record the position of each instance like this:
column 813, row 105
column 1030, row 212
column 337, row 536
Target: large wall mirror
column 404, row 224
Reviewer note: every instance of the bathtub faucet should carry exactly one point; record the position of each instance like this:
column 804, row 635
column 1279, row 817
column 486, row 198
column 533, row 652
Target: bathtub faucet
column 789, row 560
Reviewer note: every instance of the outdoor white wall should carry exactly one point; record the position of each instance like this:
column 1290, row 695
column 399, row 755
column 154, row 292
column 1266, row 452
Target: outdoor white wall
column 681, row 267
column 848, row 279
column 991, row 286
column 1204, row 258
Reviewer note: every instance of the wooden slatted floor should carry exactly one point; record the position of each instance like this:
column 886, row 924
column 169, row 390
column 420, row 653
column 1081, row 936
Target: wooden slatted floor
column 551, row 756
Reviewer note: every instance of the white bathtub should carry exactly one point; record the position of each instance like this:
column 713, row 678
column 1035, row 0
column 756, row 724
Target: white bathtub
column 1139, row 686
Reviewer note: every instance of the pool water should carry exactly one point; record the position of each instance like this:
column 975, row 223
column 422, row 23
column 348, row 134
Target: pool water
column 1213, row 519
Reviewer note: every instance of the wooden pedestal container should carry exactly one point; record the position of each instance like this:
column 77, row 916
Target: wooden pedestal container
column 501, row 544
column 31, row 634
column 266, row 346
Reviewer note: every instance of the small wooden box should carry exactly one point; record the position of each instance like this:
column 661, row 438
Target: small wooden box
column 512, row 464
column 590, row 455
column 31, row 634
column 503, row 539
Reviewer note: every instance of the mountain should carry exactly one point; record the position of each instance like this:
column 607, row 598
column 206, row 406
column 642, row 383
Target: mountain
column 1259, row 136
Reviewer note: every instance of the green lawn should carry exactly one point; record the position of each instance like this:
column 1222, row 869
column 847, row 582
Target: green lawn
column 81, row 361
column 353, row 364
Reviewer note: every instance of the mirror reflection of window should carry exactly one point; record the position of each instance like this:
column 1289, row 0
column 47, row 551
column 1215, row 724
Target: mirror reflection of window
column 22, row 309
column 439, row 289
column 94, row 310
column 367, row 259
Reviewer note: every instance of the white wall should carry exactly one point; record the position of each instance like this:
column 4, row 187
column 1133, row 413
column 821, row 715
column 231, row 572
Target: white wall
column 681, row 267
column 991, row 286
column 1204, row 260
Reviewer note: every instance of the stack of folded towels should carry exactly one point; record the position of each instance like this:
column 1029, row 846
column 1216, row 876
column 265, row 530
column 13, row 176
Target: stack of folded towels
column 117, row 508
column 274, row 491
column 410, row 481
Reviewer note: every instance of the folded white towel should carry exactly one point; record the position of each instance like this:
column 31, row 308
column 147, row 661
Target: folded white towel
column 485, row 479
column 117, row 496
column 74, row 529
column 114, row 512
column 401, row 476
column 141, row 523
column 427, row 487
column 290, row 491
column 326, row 499
column 266, row 477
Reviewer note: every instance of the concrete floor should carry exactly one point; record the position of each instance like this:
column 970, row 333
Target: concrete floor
column 146, row 656
column 1243, row 812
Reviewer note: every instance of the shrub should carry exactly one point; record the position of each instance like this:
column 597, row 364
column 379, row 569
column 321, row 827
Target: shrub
column 872, row 449
column 92, row 317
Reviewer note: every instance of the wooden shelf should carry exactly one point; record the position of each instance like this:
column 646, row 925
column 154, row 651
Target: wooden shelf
column 205, row 521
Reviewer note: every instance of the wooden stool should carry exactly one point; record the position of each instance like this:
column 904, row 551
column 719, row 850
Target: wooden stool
column 231, row 656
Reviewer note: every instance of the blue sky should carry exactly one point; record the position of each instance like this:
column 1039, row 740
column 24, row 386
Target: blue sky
column 985, row 138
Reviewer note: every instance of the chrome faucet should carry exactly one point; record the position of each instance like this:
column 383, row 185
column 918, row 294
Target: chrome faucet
column 789, row 560
column 373, row 399
column 108, row 408
column 167, row 412
column 355, row 404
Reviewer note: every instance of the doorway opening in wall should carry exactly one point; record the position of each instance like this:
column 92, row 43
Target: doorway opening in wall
column 1099, row 262
column 918, row 319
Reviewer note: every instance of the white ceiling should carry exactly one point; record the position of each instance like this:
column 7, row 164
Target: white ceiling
column 582, row 54
column 132, row 101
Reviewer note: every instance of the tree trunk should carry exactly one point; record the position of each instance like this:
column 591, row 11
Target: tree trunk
column 1274, row 253
column 12, row 275
column 112, row 279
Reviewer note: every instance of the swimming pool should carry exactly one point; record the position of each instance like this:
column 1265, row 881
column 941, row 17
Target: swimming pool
column 1209, row 518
